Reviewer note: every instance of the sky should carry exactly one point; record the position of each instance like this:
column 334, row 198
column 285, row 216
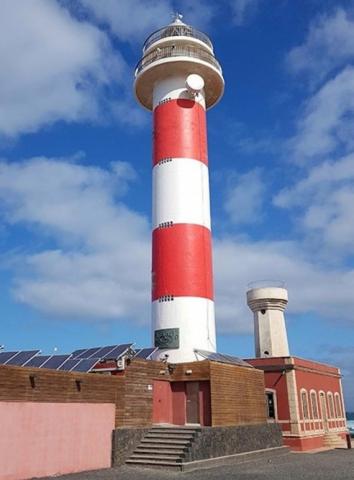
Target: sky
column 75, row 171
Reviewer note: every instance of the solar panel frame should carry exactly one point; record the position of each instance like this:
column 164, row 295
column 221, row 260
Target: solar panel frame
column 118, row 351
column 85, row 365
column 37, row 361
column 89, row 353
column 223, row 358
column 145, row 353
column 103, row 351
column 76, row 353
column 22, row 357
column 55, row 361
column 69, row 364
column 6, row 356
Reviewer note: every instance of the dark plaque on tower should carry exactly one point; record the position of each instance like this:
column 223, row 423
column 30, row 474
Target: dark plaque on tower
column 167, row 338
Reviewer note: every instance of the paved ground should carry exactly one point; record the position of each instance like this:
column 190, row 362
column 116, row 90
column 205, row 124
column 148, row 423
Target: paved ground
column 330, row 465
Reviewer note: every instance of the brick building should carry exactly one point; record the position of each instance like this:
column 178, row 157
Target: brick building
column 305, row 397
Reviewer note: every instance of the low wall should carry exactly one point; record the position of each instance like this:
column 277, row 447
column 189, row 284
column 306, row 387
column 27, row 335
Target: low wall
column 44, row 439
column 214, row 442
column 124, row 442
column 210, row 442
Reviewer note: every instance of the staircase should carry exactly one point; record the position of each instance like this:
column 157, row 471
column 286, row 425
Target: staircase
column 334, row 440
column 164, row 446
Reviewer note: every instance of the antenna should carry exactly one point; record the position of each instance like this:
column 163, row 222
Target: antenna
column 176, row 17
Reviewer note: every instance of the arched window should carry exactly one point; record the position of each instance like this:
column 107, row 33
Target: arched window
column 338, row 405
column 314, row 404
column 330, row 404
column 305, row 404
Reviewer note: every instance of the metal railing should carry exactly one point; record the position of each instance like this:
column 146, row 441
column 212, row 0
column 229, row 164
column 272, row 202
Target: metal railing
column 177, row 51
column 176, row 31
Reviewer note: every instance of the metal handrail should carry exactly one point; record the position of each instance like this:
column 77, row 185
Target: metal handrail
column 177, row 51
column 176, row 31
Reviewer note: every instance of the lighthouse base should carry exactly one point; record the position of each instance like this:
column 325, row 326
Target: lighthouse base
column 182, row 325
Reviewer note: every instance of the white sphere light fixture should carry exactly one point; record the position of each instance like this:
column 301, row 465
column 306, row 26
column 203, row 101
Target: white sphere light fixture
column 194, row 83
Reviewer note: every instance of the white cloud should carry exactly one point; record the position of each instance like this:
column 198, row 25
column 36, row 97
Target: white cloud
column 244, row 198
column 325, row 291
column 243, row 9
column 89, row 254
column 54, row 68
column 327, row 121
column 325, row 199
column 131, row 20
column 99, row 267
column 329, row 44
column 134, row 20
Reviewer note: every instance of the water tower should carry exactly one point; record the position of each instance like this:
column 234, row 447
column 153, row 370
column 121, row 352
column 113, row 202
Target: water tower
column 178, row 79
column 268, row 301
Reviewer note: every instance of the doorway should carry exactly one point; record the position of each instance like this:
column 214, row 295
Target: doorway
column 192, row 403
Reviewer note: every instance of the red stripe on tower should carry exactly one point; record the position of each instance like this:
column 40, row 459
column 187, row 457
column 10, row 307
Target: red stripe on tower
column 181, row 262
column 180, row 131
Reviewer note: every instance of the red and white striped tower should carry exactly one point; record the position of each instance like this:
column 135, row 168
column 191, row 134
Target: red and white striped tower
column 178, row 78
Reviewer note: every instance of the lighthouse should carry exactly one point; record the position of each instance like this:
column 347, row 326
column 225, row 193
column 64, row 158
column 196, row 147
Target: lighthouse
column 178, row 78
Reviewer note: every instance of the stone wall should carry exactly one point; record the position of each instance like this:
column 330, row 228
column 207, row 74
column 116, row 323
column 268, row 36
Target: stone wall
column 124, row 442
column 214, row 442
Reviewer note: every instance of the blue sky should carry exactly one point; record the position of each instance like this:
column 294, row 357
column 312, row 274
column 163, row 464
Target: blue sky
column 75, row 171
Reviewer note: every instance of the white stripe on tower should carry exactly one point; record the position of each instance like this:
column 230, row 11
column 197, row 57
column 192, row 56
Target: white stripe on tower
column 180, row 192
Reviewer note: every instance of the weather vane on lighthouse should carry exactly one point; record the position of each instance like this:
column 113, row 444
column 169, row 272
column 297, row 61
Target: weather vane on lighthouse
column 178, row 79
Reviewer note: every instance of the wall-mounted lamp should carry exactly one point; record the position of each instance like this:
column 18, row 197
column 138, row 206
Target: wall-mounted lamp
column 189, row 372
column 78, row 385
column 162, row 372
column 171, row 369
column 32, row 379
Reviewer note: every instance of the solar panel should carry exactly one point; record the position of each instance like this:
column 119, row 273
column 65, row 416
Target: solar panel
column 223, row 358
column 118, row 351
column 104, row 351
column 55, row 361
column 5, row 356
column 145, row 353
column 37, row 361
column 69, row 364
column 22, row 357
column 85, row 365
column 88, row 353
column 79, row 352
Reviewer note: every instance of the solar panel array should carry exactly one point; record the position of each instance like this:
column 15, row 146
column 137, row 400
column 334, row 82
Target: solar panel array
column 83, row 360
column 222, row 358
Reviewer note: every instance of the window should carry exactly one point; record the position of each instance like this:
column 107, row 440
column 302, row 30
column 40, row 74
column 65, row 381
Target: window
column 330, row 404
column 270, row 405
column 314, row 405
column 305, row 407
column 338, row 405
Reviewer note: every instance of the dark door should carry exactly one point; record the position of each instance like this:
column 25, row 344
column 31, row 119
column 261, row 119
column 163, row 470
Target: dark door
column 192, row 395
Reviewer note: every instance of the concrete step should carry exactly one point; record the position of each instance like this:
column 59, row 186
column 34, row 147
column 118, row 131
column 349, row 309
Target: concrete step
column 162, row 450
column 165, row 441
column 155, row 464
column 157, row 445
column 169, row 458
column 173, row 431
column 170, row 436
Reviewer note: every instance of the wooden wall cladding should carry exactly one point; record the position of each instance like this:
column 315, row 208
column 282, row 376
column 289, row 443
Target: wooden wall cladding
column 199, row 371
column 60, row 387
column 237, row 395
column 139, row 392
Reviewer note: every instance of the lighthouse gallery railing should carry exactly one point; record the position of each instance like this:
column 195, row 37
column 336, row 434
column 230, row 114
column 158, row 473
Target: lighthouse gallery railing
column 177, row 51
